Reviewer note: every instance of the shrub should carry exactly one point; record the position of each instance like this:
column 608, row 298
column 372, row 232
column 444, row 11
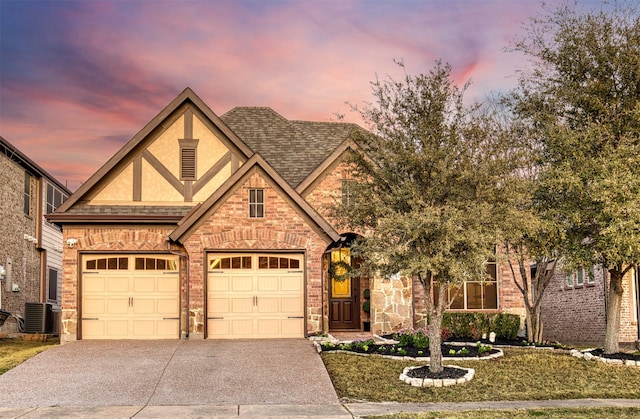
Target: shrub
column 421, row 339
column 506, row 326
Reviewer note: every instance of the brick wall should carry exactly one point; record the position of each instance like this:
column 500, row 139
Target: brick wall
column 14, row 248
column 576, row 313
column 122, row 239
column 282, row 228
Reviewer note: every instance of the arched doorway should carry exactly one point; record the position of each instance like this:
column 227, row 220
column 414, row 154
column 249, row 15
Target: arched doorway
column 344, row 287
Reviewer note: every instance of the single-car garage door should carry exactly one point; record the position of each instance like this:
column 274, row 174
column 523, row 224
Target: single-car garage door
column 255, row 296
column 130, row 297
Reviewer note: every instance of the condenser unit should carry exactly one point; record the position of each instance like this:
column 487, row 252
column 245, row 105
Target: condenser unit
column 38, row 318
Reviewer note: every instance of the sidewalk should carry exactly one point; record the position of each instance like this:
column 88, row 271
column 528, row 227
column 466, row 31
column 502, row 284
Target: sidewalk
column 344, row 411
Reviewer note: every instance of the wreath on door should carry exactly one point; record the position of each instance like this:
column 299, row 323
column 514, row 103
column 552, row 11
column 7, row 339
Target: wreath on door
column 340, row 271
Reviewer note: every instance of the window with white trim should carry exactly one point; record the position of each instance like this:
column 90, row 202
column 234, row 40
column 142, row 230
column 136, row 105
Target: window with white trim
column 476, row 295
column 256, row 203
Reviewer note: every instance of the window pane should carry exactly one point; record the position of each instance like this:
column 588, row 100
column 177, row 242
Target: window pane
column 246, row 262
column 214, row 264
column 53, row 284
column 162, row 264
column 580, row 276
column 225, row 263
column 102, row 263
column 474, row 296
column 294, row 264
column 91, row 264
column 139, row 264
column 284, row 263
column 490, row 296
column 273, row 263
column 491, row 271
column 236, row 263
column 458, row 301
column 112, row 263
column 263, row 262
column 150, row 264
column 123, row 264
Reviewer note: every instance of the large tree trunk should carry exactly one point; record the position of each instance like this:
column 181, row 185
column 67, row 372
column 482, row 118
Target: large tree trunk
column 435, row 311
column 435, row 343
column 614, row 305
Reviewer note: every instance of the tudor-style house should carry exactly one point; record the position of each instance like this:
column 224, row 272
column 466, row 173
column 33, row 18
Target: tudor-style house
column 30, row 246
column 207, row 226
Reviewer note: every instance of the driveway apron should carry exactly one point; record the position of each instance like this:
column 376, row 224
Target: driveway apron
column 196, row 372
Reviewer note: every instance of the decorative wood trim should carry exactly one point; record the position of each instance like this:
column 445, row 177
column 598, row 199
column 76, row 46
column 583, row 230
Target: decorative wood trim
column 164, row 172
column 137, row 179
column 188, row 123
column 212, row 172
column 188, row 191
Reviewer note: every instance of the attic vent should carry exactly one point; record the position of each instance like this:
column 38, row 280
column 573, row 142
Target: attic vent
column 188, row 159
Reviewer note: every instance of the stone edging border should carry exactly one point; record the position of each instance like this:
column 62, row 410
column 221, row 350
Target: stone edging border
column 586, row 355
column 430, row 382
column 420, row 358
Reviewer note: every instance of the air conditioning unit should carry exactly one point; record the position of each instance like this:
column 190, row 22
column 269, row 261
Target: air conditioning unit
column 38, row 318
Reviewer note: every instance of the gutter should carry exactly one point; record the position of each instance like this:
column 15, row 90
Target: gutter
column 188, row 291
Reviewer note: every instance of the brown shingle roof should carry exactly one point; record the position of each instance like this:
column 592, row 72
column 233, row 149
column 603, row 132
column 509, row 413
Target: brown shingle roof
column 293, row 148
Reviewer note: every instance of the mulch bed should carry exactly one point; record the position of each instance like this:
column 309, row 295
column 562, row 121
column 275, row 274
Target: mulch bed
column 448, row 372
column 395, row 350
column 620, row 355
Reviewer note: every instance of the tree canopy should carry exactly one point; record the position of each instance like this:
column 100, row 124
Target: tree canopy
column 582, row 101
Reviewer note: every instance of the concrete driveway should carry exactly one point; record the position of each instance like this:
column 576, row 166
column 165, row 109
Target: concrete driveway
column 156, row 373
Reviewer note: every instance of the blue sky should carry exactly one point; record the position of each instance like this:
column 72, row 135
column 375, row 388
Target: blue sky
column 79, row 78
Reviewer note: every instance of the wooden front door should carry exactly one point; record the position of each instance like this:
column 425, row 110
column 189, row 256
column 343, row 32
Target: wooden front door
column 344, row 297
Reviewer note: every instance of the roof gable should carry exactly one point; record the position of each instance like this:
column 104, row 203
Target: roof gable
column 190, row 223
column 123, row 161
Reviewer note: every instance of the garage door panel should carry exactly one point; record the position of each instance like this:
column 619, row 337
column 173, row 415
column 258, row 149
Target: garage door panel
column 242, row 283
column 292, row 327
column 117, row 306
column 218, row 328
column 291, row 305
column 268, row 283
column 144, row 284
column 118, row 284
column 242, row 328
column 144, row 306
column 259, row 300
column 268, row 305
column 241, row 305
column 168, row 284
column 219, row 305
column 94, row 284
column 291, row 283
column 167, row 306
column 126, row 300
column 219, row 283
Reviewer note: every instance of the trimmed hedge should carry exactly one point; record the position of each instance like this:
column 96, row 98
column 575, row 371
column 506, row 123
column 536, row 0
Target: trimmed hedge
column 474, row 325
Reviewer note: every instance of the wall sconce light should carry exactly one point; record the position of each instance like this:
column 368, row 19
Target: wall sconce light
column 72, row 242
column 3, row 272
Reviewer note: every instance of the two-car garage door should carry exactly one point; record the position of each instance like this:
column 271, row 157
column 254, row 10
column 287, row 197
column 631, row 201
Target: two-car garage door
column 138, row 296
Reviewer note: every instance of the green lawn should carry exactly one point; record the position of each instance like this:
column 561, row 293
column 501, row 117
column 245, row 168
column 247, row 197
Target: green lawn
column 592, row 413
column 15, row 351
column 522, row 374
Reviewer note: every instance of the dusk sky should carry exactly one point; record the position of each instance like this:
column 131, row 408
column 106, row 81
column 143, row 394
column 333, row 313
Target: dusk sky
column 78, row 79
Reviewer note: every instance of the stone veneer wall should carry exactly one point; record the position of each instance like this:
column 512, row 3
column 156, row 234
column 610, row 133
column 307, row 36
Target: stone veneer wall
column 391, row 304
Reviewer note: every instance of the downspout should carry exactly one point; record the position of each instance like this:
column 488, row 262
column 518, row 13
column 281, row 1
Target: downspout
column 638, row 304
column 187, row 290
column 42, row 252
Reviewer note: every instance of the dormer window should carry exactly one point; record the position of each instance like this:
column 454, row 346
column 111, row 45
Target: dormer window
column 188, row 158
column 256, row 203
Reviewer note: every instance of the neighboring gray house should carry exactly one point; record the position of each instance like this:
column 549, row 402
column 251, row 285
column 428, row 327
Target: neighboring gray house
column 30, row 246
